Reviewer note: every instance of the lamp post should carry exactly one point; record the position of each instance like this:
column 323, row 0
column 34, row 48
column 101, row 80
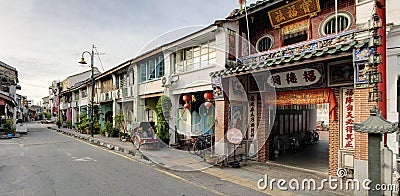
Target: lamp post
column 82, row 61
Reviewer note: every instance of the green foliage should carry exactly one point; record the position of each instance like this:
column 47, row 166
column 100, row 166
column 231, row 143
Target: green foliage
column 69, row 124
column 120, row 122
column 9, row 126
column 46, row 115
column 103, row 130
column 166, row 106
column 83, row 124
column 96, row 127
column 163, row 109
column 108, row 127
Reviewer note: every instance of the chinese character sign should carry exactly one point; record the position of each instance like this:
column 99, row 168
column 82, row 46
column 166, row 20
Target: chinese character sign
column 294, row 78
column 293, row 11
column 252, row 115
column 347, row 118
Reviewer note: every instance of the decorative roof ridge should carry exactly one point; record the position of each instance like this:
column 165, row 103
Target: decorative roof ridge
column 294, row 46
column 329, row 47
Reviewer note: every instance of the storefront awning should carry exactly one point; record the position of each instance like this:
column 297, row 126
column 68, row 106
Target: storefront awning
column 151, row 95
column 193, row 89
column 8, row 99
column 304, row 97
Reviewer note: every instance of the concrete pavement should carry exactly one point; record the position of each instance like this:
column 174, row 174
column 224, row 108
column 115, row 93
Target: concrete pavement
column 45, row 162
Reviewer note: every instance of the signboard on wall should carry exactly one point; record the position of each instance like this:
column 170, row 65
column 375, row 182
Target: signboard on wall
column 293, row 11
column 252, row 115
column 347, row 120
column 294, row 78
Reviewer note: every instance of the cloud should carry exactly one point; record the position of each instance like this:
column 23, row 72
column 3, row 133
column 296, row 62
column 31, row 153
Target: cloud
column 44, row 39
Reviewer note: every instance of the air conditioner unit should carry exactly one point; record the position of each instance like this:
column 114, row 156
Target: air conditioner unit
column 165, row 81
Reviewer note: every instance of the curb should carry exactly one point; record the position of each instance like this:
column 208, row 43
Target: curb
column 135, row 153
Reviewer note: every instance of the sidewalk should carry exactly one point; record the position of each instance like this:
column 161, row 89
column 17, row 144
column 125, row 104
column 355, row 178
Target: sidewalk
column 247, row 175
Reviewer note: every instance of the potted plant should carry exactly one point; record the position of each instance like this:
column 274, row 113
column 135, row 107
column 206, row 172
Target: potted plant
column 69, row 124
column 108, row 128
column 83, row 124
column 103, row 131
column 163, row 114
column 9, row 127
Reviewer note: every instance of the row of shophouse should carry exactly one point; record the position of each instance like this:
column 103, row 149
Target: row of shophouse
column 299, row 54
column 12, row 105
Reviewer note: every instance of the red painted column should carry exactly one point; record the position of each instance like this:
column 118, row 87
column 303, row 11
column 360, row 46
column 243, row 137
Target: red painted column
column 381, row 10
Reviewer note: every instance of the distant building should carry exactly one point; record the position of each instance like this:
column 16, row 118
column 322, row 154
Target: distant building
column 8, row 87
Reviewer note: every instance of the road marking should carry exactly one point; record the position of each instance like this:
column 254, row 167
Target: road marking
column 8, row 143
column 243, row 182
column 159, row 170
column 83, row 159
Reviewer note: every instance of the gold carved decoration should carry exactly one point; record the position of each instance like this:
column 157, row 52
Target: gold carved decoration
column 293, row 11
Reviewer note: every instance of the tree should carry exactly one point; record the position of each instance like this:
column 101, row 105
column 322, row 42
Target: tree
column 163, row 115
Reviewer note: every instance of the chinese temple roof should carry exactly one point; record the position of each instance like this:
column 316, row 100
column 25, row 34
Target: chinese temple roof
column 330, row 45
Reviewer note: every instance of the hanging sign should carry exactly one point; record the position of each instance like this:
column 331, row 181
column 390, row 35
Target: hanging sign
column 293, row 11
column 252, row 115
column 347, row 118
column 294, row 78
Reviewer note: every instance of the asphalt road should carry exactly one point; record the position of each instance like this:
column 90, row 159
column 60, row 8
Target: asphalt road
column 44, row 162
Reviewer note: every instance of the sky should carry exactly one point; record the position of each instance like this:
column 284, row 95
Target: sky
column 44, row 39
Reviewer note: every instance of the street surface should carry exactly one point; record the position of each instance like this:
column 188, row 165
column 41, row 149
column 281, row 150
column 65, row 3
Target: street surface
column 44, row 162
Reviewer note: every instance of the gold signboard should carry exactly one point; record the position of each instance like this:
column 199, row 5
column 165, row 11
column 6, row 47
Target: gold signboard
column 293, row 11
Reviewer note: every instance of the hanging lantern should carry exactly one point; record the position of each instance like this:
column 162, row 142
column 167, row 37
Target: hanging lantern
column 186, row 98
column 208, row 96
column 207, row 104
column 186, row 105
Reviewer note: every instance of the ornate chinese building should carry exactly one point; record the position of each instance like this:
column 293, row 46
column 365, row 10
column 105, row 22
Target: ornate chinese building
column 293, row 57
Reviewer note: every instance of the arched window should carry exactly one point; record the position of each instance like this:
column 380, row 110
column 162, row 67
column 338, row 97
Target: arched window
column 328, row 25
column 265, row 43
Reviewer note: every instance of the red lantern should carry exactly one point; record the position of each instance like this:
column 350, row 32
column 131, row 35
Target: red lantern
column 186, row 105
column 207, row 104
column 208, row 96
column 186, row 98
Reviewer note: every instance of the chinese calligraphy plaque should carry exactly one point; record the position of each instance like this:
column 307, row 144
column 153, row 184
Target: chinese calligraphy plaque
column 293, row 11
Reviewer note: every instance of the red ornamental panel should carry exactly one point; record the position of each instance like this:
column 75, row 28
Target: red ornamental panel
column 347, row 118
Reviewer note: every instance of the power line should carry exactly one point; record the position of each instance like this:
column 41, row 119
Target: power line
column 22, row 84
column 98, row 56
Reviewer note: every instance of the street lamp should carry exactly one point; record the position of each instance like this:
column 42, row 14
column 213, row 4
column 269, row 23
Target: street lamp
column 55, row 88
column 82, row 61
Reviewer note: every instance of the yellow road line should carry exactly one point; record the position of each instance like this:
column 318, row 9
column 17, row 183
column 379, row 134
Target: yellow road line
column 244, row 182
column 157, row 169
